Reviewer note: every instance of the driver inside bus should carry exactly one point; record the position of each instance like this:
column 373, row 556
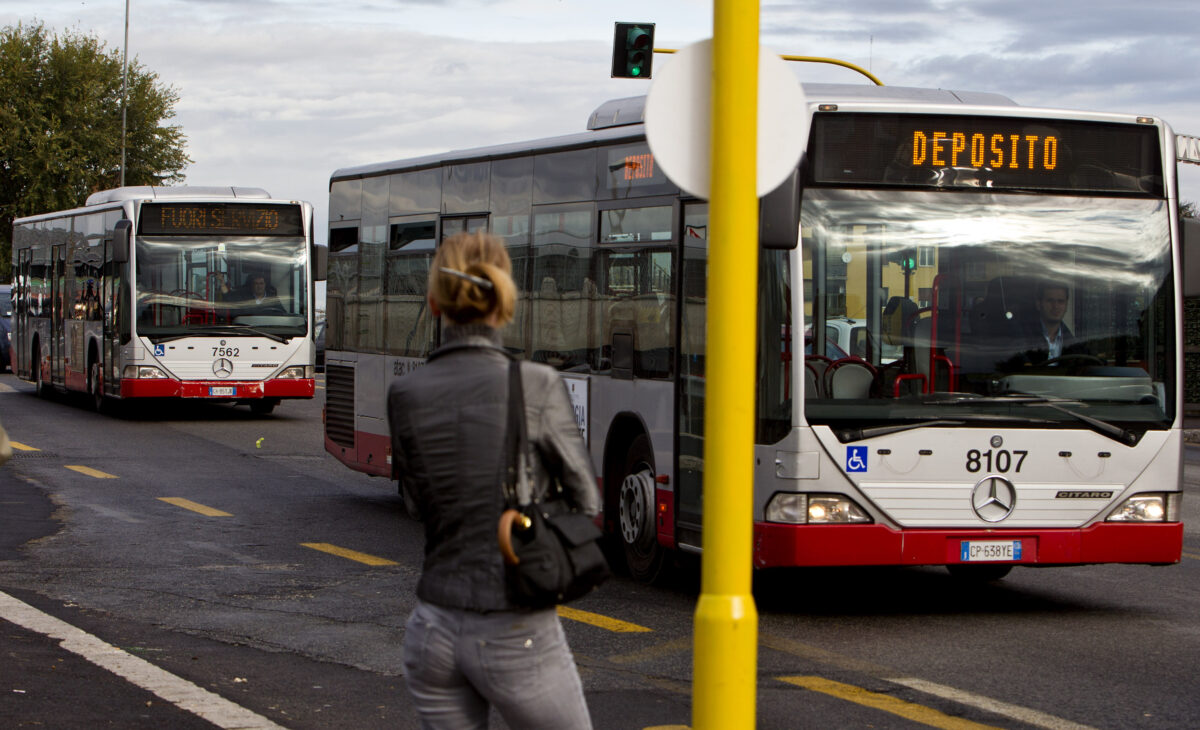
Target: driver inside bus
column 1049, row 336
column 256, row 298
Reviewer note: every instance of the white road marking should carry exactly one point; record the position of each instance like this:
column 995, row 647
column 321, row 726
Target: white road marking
column 179, row 692
column 1016, row 712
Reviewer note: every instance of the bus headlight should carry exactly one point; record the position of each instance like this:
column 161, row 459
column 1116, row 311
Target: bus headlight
column 814, row 509
column 833, row 509
column 787, row 507
column 296, row 372
column 142, row 371
column 1158, row 507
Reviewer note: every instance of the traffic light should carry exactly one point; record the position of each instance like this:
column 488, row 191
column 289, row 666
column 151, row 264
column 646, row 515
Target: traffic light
column 633, row 50
column 905, row 258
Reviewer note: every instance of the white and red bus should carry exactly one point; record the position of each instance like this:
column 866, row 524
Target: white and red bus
column 185, row 292
column 931, row 424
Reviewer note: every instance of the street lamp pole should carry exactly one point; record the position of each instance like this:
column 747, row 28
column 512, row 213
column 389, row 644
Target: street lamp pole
column 124, row 90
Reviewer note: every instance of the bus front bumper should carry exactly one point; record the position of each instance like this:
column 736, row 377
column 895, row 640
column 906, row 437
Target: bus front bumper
column 780, row 545
column 218, row 389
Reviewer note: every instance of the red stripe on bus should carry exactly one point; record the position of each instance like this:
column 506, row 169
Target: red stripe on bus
column 168, row 388
column 777, row 545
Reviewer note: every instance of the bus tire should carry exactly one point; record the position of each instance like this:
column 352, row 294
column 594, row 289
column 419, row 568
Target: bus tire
column 96, row 388
column 263, row 407
column 979, row 573
column 40, row 386
column 635, row 513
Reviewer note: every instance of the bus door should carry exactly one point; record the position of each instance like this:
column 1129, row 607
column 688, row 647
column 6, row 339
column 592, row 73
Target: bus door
column 693, row 308
column 21, row 343
column 110, row 319
column 462, row 224
column 57, row 307
column 451, row 225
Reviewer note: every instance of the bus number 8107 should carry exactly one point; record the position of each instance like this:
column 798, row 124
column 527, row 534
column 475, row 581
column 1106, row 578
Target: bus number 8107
column 1001, row 461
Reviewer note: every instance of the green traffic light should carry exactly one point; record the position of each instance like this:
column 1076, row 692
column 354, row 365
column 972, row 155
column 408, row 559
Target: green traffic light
column 633, row 50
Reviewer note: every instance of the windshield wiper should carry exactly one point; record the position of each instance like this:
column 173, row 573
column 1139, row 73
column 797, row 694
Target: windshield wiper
column 222, row 329
column 858, row 434
column 1113, row 431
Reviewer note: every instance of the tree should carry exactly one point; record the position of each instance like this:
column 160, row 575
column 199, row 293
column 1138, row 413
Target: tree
column 60, row 125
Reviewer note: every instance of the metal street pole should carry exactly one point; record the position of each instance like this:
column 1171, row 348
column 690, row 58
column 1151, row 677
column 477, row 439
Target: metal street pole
column 124, row 90
column 726, row 643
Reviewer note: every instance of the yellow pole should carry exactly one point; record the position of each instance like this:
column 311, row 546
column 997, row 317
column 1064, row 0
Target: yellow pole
column 726, row 643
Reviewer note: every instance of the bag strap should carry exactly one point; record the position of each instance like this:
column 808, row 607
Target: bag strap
column 518, row 473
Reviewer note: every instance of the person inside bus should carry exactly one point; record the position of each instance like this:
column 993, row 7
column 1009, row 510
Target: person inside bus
column 1049, row 336
column 257, row 297
column 467, row 646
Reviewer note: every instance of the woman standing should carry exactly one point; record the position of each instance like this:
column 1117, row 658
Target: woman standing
column 467, row 646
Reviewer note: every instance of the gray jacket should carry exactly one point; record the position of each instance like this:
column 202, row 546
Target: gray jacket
column 448, row 421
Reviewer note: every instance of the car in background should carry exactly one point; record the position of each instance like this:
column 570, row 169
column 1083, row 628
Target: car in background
column 5, row 326
column 833, row 350
column 851, row 337
column 319, row 339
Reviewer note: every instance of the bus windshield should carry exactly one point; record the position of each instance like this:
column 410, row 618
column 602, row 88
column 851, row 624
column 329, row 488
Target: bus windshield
column 970, row 307
column 197, row 286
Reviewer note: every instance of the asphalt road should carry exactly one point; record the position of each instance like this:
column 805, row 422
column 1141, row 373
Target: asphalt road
column 231, row 552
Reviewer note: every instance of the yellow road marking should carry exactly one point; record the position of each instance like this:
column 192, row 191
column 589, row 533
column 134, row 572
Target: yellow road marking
column 22, row 447
column 195, row 507
column 887, row 703
column 1193, row 556
column 342, row 552
column 92, row 472
column 604, row 622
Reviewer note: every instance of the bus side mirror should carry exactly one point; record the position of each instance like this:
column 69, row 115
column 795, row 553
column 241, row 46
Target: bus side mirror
column 320, row 262
column 1191, row 256
column 779, row 215
column 122, row 238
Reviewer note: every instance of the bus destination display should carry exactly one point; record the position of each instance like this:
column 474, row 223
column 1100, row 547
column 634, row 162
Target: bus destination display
column 632, row 166
column 985, row 152
column 227, row 219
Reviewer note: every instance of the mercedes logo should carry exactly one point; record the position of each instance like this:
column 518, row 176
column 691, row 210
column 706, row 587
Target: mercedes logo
column 222, row 367
column 994, row 498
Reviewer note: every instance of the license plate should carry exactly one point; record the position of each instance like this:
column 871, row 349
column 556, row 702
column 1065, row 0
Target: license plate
column 978, row 551
column 221, row 390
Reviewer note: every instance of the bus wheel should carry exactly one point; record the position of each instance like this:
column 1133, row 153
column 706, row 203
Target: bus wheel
column 263, row 407
column 979, row 573
column 643, row 554
column 40, row 385
column 96, row 387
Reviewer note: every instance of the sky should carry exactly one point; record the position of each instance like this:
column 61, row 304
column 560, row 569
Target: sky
column 279, row 94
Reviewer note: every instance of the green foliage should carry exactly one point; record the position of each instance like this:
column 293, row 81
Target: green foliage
column 60, row 112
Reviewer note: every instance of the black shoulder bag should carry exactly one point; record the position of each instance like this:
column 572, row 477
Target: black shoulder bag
column 551, row 552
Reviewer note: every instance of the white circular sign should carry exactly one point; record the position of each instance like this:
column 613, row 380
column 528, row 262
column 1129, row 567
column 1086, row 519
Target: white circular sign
column 679, row 119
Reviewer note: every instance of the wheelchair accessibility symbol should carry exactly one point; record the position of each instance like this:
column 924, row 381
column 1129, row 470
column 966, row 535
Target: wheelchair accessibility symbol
column 856, row 458
column 160, row 350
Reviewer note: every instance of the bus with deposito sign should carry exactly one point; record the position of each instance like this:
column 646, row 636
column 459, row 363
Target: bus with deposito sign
column 1009, row 278
column 161, row 292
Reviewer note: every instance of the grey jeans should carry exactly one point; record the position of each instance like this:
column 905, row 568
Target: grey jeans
column 458, row 663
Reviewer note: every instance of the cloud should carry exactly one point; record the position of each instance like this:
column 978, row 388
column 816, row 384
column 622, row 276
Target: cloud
column 280, row 93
